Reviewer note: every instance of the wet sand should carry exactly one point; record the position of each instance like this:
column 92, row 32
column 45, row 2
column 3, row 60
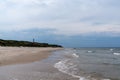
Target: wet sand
column 32, row 71
column 17, row 55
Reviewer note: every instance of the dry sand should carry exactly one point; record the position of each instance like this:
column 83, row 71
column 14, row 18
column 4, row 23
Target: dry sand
column 15, row 55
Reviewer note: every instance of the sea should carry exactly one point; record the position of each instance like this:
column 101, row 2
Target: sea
column 89, row 63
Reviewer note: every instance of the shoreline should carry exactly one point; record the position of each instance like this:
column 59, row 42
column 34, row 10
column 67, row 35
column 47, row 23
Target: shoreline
column 22, row 55
column 42, row 69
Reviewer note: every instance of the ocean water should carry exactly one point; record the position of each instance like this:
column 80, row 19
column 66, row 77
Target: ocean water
column 89, row 63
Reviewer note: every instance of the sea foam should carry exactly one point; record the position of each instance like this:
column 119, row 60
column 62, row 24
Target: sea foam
column 89, row 51
column 75, row 55
column 111, row 49
column 118, row 54
column 67, row 66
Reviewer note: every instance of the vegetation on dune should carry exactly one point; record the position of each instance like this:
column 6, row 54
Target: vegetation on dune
column 15, row 43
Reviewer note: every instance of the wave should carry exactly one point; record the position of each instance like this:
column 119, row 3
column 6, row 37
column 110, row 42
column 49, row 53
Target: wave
column 71, row 54
column 89, row 51
column 75, row 55
column 68, row 66
column 14, row 79
column 118, row 54
column 111, row 49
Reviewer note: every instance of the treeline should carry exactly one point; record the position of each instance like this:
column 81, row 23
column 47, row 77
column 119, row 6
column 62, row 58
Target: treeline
column 15, row 43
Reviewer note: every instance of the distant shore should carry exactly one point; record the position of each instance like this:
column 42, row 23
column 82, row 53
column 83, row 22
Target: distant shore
column 17, row 55
column 15, row 43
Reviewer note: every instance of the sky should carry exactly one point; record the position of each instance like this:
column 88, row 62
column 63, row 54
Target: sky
column 70, row 23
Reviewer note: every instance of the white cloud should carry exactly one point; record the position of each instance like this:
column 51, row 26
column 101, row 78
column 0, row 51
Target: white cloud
column 68, row 17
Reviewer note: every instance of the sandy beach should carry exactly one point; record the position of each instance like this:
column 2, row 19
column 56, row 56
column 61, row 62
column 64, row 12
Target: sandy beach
column 22, row 63
column 17, row 55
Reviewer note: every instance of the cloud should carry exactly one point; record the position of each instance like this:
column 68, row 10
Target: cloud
column 66, row 17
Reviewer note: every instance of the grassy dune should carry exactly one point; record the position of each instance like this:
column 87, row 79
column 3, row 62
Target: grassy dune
column 15, row 43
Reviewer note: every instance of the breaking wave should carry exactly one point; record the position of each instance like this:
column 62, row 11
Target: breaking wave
column 70, row 67
column 118, row 54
